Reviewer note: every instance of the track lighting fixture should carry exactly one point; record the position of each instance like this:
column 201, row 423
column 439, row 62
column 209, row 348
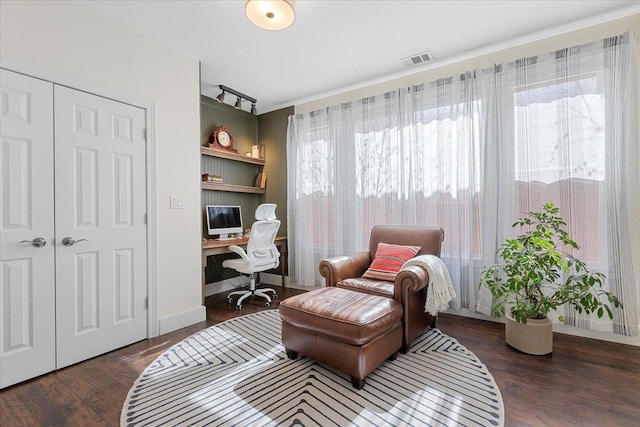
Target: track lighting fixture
column 240, row 97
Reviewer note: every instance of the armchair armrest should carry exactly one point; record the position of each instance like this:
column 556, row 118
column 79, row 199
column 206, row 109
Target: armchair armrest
column 344, row 267
column 410, row 279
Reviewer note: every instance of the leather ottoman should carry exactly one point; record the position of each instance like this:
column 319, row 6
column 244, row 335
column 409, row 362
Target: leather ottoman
column 349, row 331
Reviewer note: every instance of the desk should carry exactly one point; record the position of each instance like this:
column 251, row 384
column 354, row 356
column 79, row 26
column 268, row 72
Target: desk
column 217, row 247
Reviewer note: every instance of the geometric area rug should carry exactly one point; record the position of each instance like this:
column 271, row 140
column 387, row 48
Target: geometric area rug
column 236, row 373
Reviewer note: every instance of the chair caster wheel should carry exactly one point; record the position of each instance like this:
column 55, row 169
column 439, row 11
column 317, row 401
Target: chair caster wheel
column 239, row 307
column 267, row 304
column 229, row 300
column 275, row 296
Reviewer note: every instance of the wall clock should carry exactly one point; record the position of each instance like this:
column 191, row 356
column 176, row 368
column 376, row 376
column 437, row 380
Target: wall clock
column 221, row 138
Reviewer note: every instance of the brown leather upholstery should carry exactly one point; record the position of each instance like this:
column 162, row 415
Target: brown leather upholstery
column 350, row 331
column 368, row 286
column 410, row 285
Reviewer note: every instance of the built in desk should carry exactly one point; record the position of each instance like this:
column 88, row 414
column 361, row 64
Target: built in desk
column 217, row 247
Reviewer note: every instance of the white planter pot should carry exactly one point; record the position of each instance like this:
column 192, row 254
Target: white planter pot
column 535, row 337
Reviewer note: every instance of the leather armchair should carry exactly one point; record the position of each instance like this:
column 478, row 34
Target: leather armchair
column 410, row 285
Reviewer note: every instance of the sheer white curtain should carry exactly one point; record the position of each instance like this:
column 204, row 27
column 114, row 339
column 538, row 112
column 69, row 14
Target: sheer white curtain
column 574, row 132
column 471, row 153
column 344, row 168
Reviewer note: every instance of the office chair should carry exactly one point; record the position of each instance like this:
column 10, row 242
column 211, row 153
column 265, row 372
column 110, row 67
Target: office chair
column 261, row 254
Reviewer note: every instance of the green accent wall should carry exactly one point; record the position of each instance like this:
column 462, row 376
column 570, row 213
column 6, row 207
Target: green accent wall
column 272, row 132
column 246, row 129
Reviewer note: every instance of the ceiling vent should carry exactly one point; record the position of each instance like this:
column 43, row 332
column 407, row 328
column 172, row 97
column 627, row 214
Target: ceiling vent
column 417, row 59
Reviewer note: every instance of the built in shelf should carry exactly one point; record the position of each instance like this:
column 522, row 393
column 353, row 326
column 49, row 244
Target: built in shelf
column 232, row 188
column 206, row 151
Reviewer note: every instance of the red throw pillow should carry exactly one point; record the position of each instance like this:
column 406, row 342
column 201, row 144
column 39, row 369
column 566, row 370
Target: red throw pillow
column 389, row 260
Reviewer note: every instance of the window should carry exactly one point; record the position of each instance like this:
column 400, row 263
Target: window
column 559, row 155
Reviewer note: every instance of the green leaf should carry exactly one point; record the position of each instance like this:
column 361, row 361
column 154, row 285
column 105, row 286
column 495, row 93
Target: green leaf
column 537, row 273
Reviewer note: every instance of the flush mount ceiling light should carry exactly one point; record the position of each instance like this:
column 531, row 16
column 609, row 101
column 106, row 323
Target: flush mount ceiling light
column 271, row 14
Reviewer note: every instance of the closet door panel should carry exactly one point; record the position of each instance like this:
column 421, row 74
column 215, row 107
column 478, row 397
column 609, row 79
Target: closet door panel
column 27, row 318
column 100, row 205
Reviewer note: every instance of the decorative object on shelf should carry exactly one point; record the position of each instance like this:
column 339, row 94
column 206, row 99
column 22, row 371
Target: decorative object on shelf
column 272, row 15
column 537, row 276
column 261, row 151
column 222, row 139
column 212, row 178
column 239, row 97
column 255, row 153
column 261, row 180
column 229, row 155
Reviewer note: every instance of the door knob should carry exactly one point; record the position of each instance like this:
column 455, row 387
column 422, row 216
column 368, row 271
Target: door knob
column 38, row 242
column 68, row 241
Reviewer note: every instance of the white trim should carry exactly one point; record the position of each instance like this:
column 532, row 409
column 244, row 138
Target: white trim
column 225, row 285
column 236, row 282
column 274, row 279
column 43, row 73
column 182, row 319
column 152, row 231
column 560, row 328
column 597, row 335
column 519, row 41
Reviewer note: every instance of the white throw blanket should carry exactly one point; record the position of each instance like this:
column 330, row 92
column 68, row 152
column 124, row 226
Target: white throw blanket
column 440, row 291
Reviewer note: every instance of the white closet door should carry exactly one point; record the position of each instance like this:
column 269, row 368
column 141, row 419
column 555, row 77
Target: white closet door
column 27, row 319
column 100, row 203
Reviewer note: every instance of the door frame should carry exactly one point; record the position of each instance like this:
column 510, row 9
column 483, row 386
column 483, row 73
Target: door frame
column 55, row 77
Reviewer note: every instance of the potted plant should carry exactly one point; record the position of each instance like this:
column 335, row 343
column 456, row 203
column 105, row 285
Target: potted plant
column 537, row 276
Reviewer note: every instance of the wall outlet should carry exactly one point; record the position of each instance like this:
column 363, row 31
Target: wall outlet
column 176, row 203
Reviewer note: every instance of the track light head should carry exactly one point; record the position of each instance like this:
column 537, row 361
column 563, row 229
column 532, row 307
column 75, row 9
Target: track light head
column 220, row 97
column 238, row 103
column 254, row 111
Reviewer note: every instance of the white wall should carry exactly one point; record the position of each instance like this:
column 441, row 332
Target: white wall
column 508, row 51
column 78, row 42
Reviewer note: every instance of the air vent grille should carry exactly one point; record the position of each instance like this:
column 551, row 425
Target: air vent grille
column 417, row 59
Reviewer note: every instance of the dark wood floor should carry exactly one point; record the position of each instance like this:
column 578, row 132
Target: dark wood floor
column 583, row 383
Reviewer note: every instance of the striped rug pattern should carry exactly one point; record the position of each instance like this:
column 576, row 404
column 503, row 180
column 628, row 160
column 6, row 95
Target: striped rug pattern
column 236, row 373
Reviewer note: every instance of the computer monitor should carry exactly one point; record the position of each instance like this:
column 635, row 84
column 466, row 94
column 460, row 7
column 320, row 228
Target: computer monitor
column 223, row 220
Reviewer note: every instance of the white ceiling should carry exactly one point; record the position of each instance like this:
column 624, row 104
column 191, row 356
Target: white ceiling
column 337, row 44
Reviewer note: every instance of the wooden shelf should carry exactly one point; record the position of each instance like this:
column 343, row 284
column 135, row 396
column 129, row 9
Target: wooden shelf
column 232, row 188
column 206, row 151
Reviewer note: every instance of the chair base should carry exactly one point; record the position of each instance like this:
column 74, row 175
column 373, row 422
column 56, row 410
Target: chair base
column 252, row 291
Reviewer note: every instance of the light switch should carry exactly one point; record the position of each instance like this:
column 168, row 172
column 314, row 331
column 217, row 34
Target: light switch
column 176, row 203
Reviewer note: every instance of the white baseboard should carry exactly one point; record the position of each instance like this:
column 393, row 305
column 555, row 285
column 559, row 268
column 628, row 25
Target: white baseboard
column 236, row 282
column 596, row 335
column 273, row 279
column 276, row 280
column 183, row 319
column 225, row 285
column 560, row 328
